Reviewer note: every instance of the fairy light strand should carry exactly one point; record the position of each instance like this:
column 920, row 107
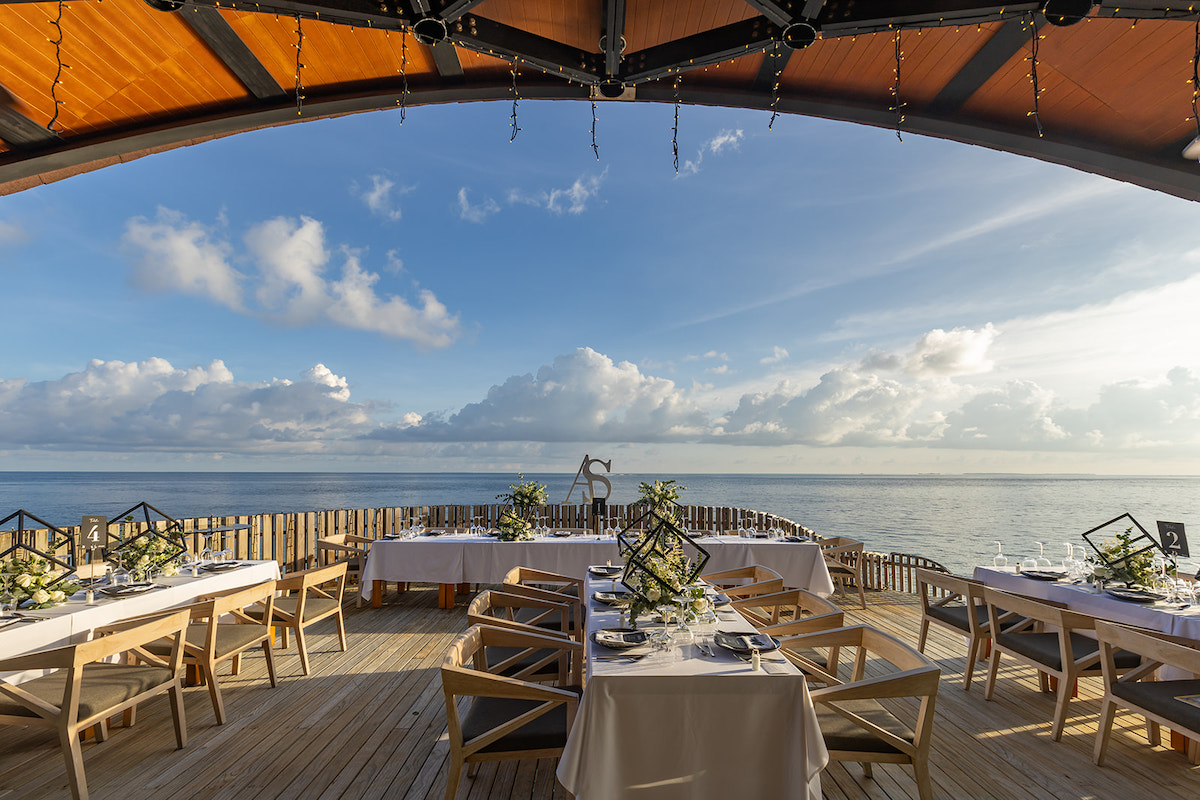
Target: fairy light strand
column 595, row 147
column 1196, row 79
column 775, row 86
column 897, row 105
column 299, row 67
column 403, row 75
column 1033, row 73
column 516, row 97
column 57, row 23
column 675, row 128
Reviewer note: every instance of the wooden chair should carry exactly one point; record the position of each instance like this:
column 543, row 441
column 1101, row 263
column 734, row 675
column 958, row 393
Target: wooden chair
column 85, row 690
column 551, row 586
column 792, row 613
column 961, row 609
column 746, row 581
column 499, row 610
column 1138, row 691
column 212, row 640
column 309, row 599
column 855, row 725
column 341, row 547
column 844, row 560
column 508, row 718
column 524, row 613
column 1062, row 652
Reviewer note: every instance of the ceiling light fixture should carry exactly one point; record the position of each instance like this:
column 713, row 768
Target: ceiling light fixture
column 1063, row 13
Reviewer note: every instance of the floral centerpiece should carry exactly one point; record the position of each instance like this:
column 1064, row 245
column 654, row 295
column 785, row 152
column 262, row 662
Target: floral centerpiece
column 662, row 497
column 33, row 583
column 522, row 497
column 146, row 552
column 670, row 568
column 1117, row 561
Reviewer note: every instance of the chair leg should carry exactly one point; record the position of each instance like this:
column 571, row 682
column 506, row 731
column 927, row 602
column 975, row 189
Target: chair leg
column 302, row 646
column 993, row 668
column 1043, row 681
column 214, row 693
column 972, row 657
column 341, row 629
column 283, row 636
column 473, row 769
column 68, row 739
column 924, row 781
column 1060, row 708
column 236, row 666
column 1108, row 710
column 178, row 716
column 868, row 769
column 862, row 595
column 101, row 730
column 923, row 635
column 266, row 645
column 453, row 776
column 1153, row 735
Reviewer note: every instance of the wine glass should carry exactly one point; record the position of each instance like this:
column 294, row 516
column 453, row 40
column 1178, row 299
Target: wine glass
column 683, row 634
column 663, row 639
column 1042, row 561
column 1029, row 563
column 8, row 601
column 999, row 560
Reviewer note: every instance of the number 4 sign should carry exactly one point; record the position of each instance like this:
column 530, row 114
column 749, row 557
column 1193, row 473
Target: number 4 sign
column 1174, row 540
column 95, row 533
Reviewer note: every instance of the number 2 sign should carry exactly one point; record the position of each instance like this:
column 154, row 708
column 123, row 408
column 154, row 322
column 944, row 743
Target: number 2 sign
column 1174, row 540
column 94, row 533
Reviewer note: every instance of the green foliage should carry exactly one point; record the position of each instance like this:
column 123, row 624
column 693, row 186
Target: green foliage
column 29, row 579
column 523, row 496
column 146, row 553
column 1122, row 566
column 662, row 497
column 513, row 528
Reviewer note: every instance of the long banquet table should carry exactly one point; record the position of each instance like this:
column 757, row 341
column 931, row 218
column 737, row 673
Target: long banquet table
column 73, row 621
column 456, row 558
column 687, row 726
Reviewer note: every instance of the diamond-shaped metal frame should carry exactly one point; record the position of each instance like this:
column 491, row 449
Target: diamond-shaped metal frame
column 172, row 534
column 659, row 535
column 1153, row 544
column 24, row 538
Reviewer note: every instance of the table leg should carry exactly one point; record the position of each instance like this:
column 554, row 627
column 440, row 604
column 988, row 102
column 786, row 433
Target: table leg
column 377, row 594
column 446, row 595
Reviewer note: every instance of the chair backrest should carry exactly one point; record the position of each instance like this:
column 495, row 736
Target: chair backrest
column 342, row 547
column 1039, row 614
column 953, row 589
column 913, row 675
column 745, row 582
column 1157, row 649
column 808, row 612
column 313, row 583
column 504, row 610
column 232, row 604
column 840, row 548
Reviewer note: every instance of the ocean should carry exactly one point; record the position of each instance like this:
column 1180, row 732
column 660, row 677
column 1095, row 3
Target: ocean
column 951, row 519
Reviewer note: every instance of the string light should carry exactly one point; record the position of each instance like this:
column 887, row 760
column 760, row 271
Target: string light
column 1033, row 75
column 513, row 117
column 675, row 129
column 897, row 105
column 1196, row 79
column 595, row 147
column 57, row 23
column 299, row 66
column 775, row 87
column 403, row 75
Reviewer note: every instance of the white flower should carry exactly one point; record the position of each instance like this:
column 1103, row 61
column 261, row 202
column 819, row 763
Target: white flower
column 40, row 596
column 653, row 594
column 170, row 569
column 57, row 596
column 24, row 581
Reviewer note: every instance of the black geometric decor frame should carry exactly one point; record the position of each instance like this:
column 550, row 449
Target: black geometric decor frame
column 1150, row 542
column 659, row 536
column 24, row 539
column 172, row 534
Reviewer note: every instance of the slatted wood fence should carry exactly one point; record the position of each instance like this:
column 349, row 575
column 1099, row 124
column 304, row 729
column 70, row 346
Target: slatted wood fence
column 290, row 538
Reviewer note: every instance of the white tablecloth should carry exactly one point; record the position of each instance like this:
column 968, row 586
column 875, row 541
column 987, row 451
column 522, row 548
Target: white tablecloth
column 475, row 558
column 73, row 621
column 1156, row 617
column 691, row 727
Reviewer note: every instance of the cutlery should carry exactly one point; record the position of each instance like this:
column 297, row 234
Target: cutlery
column 747, row 659
column 629, row 657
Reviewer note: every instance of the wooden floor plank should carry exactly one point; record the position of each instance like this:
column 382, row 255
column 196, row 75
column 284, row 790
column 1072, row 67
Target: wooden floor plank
column 370, row 723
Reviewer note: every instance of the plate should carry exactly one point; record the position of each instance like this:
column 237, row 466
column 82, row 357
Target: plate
column 1043, row 575
column 221, row 566
column 745, row 642
column 620, row 638
column 612, row 598
column 794, row 539
column 433, row 533
column 132, row 588
column 1135, row 595
column 606, row 571
column 561, row 534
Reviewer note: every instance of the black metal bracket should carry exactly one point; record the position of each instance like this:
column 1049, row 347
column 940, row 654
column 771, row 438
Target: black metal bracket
column 24, row 540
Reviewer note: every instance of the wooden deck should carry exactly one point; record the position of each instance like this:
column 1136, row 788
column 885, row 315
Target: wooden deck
column 369, row 723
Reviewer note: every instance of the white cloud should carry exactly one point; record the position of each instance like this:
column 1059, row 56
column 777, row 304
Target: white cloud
column 725, row 140
column 572, row 200
column 779, row 354
column 711, row 354
column 961, row 351
column 475, row 213
column 379, row 198
column 153, row 406
column 718, row 370
column 11, row 233
column 291, row 285
column 178, row 255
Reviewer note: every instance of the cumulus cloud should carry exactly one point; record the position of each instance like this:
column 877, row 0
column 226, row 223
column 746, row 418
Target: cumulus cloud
column 572, row 200
column 581, row 396
column 778, row 354
column 725, row 140
column 153, row 406
column 962, row 351
column 477, row 212
column 291, row 284
column 380, row 198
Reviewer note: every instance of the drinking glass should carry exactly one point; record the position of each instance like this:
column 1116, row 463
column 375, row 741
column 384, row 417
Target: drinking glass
column 999, row 560
column 1042, row 561
column 1028, row 563
column 8, row 601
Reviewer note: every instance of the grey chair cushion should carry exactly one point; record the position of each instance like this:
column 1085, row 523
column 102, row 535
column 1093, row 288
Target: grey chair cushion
column 231, row 638
column 1159, row 698
column 496, row 655
column 1043, row 648
column 314, row 607
column 842, row 734
column 549, row 731
column 104, row 686
column 957, row 616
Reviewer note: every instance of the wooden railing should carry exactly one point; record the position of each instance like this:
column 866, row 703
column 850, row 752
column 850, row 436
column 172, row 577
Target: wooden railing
column 290, row 538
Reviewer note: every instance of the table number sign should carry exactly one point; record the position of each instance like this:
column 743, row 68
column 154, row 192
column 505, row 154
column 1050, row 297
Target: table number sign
column 1174, row 539
column 94, row 531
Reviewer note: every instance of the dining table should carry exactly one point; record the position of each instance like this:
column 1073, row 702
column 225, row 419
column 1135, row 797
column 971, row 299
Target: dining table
column 693, row 722
column 73, row 621
column 454, row 558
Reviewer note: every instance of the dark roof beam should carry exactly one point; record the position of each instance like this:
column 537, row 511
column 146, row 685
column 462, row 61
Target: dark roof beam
column 774, row 62
column 614, row 35
column 812, row 8
column 229, row 47
column 772, row 11
column 21, row 132
column 451, row 11
column 700, row 50
column 848, row 18
column 995, row 53
column 362, row 13
column 555, row 58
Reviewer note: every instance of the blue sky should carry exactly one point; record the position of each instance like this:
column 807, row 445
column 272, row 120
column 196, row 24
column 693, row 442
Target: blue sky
column 354, row 294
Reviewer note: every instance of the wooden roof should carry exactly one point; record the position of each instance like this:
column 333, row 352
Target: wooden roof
column 132, row 77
